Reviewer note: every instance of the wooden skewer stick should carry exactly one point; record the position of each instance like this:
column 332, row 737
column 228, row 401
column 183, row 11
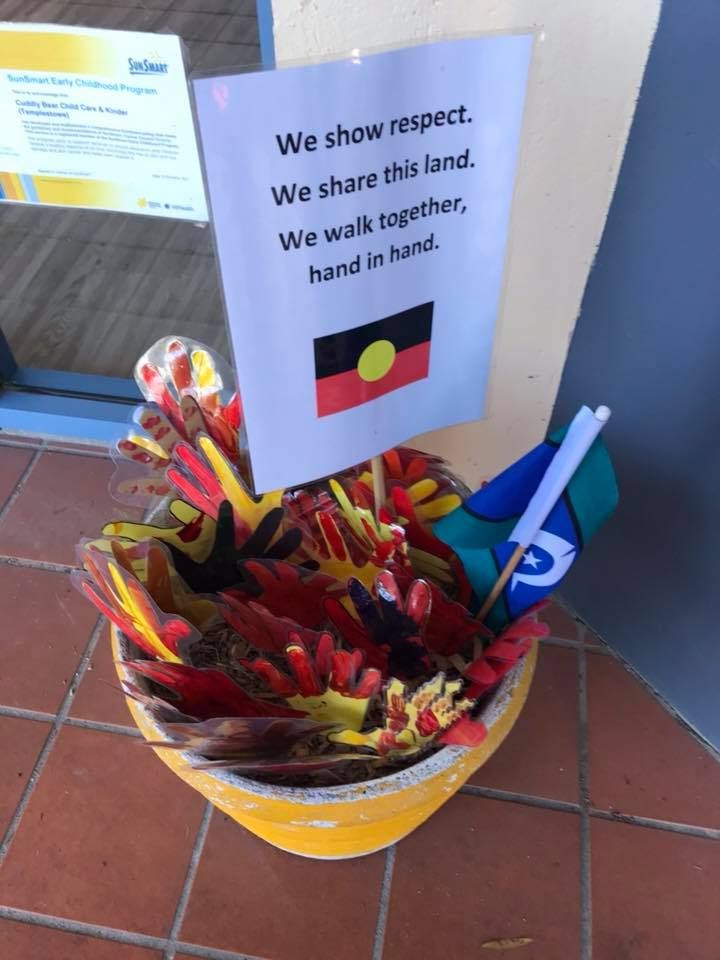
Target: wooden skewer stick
column 507, row 572
column 378, row 475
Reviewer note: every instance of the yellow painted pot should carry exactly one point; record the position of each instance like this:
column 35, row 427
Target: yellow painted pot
column 335, row 823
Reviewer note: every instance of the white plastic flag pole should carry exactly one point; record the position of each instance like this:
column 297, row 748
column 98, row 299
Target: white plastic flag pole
column 580, row 436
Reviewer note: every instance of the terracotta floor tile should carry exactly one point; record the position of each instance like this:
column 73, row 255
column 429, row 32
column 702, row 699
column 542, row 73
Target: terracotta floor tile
column 12, row 463
column 20, row 744
column 106, row 837
column 641, row 760
column 252, row 898
column 482, row 870
column 65, row 498
column 655, row 894
column 540, row 754
column 24, row 941
column 42, row 645
column 562, row 624
column 99, row 696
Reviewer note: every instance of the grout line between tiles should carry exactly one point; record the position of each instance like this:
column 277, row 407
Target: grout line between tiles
column 585, row 888
column 19, row 445
column 101, row 727
column 183, row 899
column 584, row 799
column 22, row 480
column 115, row 935
column 580, row 630
column 21, row 713
column 563, row 806
column 560, row 642
column 37, row 564
column 80, row 926
column 583, row 776
column 528, row 800
column 50, row 739
column 687, row 829
column 213, row 953
column 383, row 904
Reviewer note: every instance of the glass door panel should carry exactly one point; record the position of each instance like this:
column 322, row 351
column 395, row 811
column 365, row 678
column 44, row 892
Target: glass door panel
column 86, row 292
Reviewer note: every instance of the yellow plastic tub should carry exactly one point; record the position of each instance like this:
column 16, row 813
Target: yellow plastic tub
column 335, row 823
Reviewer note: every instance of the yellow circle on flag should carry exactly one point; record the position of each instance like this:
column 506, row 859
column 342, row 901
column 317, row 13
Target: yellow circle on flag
column 375, row 360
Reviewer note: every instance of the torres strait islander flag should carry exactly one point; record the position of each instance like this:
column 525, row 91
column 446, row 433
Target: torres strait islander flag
column 365, row 362
column 478, row 530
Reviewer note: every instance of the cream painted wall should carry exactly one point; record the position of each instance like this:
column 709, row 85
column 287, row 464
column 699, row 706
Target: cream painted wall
column 589, row 66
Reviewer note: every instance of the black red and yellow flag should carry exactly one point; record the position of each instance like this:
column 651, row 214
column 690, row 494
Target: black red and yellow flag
column 365, row 362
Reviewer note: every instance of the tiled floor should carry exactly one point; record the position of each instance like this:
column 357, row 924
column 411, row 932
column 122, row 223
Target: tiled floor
column 594, row 831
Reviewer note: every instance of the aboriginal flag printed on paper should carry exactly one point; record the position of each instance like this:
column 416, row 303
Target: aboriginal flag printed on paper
column 365, row 362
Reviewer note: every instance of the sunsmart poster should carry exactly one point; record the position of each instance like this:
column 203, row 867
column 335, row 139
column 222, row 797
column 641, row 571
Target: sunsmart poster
column 98, row 119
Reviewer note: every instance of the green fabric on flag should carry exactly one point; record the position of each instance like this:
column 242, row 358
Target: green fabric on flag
column 478, row 530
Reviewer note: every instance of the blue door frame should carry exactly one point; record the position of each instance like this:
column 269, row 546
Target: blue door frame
column 73, row 406
column 81, row 406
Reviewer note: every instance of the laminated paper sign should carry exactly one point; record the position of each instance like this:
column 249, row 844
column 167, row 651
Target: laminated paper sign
column 361, row 211
column 98, row 119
